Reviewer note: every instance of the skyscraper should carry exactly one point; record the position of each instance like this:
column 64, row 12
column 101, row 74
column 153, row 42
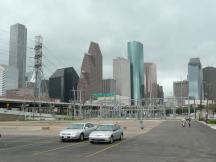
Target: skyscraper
column 150, row 79
column 195, row 77
column 2, row 80
column 135, row 56
column 121, row 73
column 62, row 83
column 209, row 83
column 17, row 51
column 8, row 79
column 91, row 72
column 109, row 86
column 160, row 93
column 180, row 91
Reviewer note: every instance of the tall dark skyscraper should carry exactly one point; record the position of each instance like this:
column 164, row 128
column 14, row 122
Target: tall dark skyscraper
column 17, row 51
column 135, row 56
column 62, row 83
column 91, row 72
column 209, row 83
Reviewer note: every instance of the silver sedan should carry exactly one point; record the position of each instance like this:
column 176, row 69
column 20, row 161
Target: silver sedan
column 77, row 131
column 106, row 133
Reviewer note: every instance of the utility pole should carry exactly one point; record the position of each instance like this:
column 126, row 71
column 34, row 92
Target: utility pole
column 75, row 93
column 38, row 69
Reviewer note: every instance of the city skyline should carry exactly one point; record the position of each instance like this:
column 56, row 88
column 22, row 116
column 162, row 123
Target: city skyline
column 180, row 42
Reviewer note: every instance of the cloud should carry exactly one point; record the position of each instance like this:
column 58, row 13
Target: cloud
column 172, row 31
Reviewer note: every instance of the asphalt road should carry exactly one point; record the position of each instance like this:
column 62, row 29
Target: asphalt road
column 168, row 142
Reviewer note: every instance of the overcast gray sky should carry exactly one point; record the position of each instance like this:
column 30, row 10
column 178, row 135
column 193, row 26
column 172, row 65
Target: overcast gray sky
column 172, row 31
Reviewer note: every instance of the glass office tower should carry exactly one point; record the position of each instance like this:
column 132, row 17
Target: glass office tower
column 195, row 78
column 135, row 56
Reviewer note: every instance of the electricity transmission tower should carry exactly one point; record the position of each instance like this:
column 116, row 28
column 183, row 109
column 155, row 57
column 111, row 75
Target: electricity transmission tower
column 38, row 65
column 38, row 68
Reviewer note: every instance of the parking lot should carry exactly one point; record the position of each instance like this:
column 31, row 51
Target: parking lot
column 165, row 142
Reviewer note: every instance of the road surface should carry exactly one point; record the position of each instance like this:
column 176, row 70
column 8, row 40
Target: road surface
column 168, row 142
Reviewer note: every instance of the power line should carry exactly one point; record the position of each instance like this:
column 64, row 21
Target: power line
column 55, row 57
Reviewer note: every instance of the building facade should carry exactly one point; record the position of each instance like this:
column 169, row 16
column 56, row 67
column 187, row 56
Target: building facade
column 63, row 84
column 109, row 86
column 195, row 78
column 2, row 81
column 91, row 72
column 135, row 56
column 21, row 93
column 160, row 93
column 180, row 88
column 17, row 51
column 121, row 73
column 209, row 83
column 180, row 91
column 150, row 79
column 8, row 78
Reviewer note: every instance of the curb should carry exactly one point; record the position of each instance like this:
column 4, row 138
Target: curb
column 212, row 126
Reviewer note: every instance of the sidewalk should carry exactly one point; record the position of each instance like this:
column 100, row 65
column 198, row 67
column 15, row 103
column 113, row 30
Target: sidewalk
column 213, row 126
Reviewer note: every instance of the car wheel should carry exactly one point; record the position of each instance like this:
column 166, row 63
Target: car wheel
column 111, row 139
column 92, row 142
column 121, row 137
column 62, row 140
column 81, row 137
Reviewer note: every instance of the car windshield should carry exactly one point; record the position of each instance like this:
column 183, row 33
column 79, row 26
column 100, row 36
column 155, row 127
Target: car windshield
column 76, row 126
column 105, row 128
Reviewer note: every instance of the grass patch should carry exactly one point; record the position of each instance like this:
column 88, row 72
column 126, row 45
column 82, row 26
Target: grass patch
column 211, row 121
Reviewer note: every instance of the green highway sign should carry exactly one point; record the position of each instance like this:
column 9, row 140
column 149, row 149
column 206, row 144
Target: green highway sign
column 103, row 94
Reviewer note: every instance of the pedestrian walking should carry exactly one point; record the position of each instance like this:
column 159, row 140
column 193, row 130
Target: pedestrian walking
column 141, row 124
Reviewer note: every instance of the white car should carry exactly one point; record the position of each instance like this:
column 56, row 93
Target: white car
column 106, row 133
column 77, row 131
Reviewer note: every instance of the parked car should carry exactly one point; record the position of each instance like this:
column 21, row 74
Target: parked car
column 106, row 133
column 77, row 131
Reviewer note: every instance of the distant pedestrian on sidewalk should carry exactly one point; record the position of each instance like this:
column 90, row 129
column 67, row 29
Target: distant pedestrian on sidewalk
column 141, row 125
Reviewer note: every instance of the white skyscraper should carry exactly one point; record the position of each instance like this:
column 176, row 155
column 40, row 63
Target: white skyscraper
column 17, row 51
column 8, row 79
column 2, row 80
column 121, row 73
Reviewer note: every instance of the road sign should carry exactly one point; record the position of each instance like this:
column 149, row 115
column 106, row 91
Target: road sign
column 103, row 94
